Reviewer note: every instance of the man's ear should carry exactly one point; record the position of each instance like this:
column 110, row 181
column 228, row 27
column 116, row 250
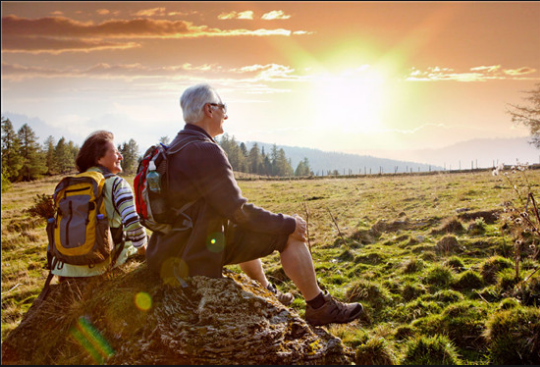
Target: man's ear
column 208, row 110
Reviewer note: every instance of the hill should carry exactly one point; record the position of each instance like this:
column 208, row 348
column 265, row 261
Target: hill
column 321, row 162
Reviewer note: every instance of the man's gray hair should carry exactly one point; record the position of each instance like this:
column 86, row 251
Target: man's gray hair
column 193, row 100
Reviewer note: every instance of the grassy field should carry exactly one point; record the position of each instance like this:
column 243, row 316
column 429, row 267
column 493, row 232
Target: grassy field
column 443, row 263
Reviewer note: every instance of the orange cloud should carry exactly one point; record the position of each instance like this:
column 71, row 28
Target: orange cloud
column 60, row 34
column 248, row 14
column 56, row 45
column 151, row 12
column 476, row 74
column 275, row 14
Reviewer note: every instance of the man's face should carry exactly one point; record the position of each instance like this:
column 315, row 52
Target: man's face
column 219, row 116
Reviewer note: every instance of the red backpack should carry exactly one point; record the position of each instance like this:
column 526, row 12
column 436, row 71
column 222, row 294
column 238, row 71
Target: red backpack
column 151, row 186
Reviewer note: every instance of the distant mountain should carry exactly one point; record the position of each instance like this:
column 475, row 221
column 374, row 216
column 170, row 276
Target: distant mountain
column 321, row 162
column 481, row 153
column 477, row 153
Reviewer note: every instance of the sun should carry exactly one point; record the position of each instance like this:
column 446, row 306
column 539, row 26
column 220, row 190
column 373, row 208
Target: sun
column 352, row 101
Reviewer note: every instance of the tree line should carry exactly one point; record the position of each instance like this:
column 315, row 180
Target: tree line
column 256, row 161
column 25, row 159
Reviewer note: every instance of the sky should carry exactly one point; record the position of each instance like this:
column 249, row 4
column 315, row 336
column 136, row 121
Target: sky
column 377, row 78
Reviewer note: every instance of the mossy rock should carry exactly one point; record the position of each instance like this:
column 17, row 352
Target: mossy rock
column 133, row 318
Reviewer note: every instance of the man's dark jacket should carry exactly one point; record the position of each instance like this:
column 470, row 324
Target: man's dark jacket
column 202, row 173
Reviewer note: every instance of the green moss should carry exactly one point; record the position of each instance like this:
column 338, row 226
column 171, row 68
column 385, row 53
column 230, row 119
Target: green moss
column 455, row 263
column 413, row 265
column 439, row 276
column 371, row 292
column 492, row 266
column 375, row 352
column 412, row 291
column 513, row 336
column 468, row 280
column 444, row 296
column 431, row 350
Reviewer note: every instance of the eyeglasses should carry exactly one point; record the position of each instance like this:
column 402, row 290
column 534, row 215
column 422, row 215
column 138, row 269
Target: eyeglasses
column 222, row 105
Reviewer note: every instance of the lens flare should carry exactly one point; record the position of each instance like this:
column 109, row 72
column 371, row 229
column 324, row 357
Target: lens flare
column 215, row 242
column 91, row 340
column 143, row 301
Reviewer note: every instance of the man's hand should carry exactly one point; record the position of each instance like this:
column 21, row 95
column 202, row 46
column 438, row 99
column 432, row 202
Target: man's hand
column 300, row 231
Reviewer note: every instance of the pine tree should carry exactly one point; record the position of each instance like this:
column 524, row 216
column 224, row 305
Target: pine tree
column 254, row 159
column 33, row 158
column 12, row 161
column 64, row 157
column 130, row 156
column 50, row 159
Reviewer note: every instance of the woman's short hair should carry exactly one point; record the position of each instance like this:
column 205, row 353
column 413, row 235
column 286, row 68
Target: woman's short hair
column 193, row 100
column 93, row 148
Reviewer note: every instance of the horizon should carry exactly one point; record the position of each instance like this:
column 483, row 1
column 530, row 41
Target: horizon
column 385, row 79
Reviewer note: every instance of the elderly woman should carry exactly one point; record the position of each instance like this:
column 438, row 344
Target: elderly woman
column 99, row 153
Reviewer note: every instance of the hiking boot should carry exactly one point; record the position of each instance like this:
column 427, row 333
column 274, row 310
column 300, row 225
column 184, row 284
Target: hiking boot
column 285, row 298
column 333, row 312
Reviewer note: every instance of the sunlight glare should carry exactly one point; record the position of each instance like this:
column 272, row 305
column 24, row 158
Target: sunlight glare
column 351, row 101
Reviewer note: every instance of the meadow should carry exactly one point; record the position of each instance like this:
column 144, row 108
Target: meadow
column 444, row 264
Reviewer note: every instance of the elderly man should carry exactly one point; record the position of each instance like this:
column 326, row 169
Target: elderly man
column 226, row 228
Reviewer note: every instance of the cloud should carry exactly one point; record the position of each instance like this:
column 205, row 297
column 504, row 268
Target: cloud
column 248, row 14
column 60, row 34
column 475, row 74
column 275, row 14
column 103, row 11
column 151, row 12
column 38, row 45
column 520, row 71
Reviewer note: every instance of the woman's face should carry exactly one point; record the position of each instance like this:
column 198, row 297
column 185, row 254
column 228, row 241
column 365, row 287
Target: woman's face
column 112, row 158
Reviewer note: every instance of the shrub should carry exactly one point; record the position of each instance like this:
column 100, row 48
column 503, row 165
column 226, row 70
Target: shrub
column 368, row 291
column 404, row 332
column 464, row 323
column 506, row 279
column 528, row 292
column 469, row 280
column 490, row 294
column 429, row 256
column 492, row 266
column 478, row 227
column 420, row 308
column 513, row 336
column 444, row 296
column 449, row 225
column 412, row 290
column 447, row 245
column 439, row 276
column 433, row 350
column 375, row 352
column 413, row 265
column 508, row 303
column 455, row 263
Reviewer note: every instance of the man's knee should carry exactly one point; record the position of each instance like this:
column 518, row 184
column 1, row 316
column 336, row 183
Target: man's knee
column 295, row 245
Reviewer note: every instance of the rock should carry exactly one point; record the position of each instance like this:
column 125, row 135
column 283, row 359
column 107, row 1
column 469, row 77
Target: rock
column 133, row 318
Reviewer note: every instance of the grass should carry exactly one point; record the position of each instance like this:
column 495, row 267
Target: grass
column 431, row 257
